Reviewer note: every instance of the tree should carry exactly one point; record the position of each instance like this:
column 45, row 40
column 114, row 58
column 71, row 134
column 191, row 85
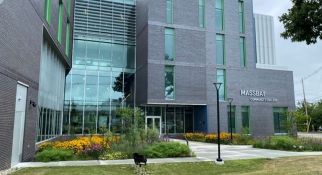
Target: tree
column 303, row 22
column 314, row 111
column 294, row 119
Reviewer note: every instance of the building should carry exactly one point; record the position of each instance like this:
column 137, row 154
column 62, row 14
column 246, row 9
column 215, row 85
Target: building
column 164, row 56
column 35, row 56
column 265, row 42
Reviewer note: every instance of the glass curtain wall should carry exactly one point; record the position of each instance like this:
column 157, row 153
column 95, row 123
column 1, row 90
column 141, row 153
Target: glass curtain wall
column 102, row 77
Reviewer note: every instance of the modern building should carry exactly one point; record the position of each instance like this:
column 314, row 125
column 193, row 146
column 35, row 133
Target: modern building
column 164, row 56
column 35, row 56
column 265, row 43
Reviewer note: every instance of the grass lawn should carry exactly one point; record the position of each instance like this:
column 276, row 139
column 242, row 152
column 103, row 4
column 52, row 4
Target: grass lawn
column 287, row 165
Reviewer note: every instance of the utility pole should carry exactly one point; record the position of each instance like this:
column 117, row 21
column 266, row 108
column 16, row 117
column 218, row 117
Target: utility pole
column 305, row 107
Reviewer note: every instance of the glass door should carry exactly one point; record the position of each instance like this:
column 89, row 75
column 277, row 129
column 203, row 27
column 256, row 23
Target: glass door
column 153, row 122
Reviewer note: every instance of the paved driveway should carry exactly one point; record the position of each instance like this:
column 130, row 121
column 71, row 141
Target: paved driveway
column 209, row 151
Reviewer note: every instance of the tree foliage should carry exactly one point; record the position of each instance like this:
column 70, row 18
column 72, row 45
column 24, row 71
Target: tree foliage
column 294, row 119
column 303, row 22
column 314, row 111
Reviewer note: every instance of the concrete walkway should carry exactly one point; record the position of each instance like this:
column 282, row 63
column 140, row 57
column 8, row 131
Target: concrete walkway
column 204, row 152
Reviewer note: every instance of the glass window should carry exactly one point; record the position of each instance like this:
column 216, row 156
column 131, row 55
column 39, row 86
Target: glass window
column 169, row 82
column 91, row 88
column 221, row 77
column 231, row 119
column 92, row 55
column 279, row 119
column 242, row 52
column 220, row 49
column 202, row 13
column 78, row 81
column 47, row 10
column 241, row 16
column 245, row 119
column 67, row 38
column 105, row 56
column 60, row 22
column 170, row 11
column 117, row 56
column 219, row 15
column 169, row 44
column 79, row 54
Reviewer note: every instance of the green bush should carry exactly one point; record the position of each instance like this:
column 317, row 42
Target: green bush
column 283, row 143
column 48, row 155
column 167, row 149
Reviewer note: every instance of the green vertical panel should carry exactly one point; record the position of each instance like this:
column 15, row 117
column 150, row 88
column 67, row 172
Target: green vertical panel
column 220, row 49
column 202, row 13
column 67, row 38
column 47, row 10
column 169, row 74
column 169, row 45
column 242, row 52
column 60, row 22
column 221, row 78
column 219, row 15
column 232, row 118
column 241, row 16
column 69, row 7
column 169, row 11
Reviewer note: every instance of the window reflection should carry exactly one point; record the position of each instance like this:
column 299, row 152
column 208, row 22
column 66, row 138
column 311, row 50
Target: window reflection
column 169, row 82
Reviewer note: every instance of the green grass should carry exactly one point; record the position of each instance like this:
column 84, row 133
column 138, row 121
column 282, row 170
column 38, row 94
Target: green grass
column 288, row 165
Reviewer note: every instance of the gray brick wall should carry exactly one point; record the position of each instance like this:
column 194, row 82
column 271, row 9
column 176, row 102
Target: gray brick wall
column 195, row 63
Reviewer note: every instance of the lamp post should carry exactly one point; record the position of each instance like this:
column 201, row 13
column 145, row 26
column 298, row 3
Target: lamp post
column 231, row 126
column 217, row 84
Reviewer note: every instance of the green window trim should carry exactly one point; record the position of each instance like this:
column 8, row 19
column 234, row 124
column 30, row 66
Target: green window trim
column 68, row 7
column 202, row 17
column 221, row 77
column 67, row 39
column 241, row 17
column 242, row 47
column 220, row 56
column 247, row 124
column 233, row 111
column 169, row 11
column 169, row 82
column 60, row 22
column 47, row 11
column 219, row 15
column 169, row 44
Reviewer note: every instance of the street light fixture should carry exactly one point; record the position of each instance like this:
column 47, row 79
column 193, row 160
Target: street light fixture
column 217, row 84
column 231, row 126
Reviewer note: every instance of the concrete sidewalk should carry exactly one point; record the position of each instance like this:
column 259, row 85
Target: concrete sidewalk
column 204, row 152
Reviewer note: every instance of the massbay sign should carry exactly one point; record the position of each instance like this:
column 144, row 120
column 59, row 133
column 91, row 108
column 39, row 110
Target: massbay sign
column 257, row 96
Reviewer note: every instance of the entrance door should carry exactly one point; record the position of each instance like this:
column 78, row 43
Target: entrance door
column 154, row 122
column 19, row 124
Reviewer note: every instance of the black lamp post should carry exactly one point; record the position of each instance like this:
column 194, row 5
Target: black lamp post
column 231, row 123
column 217, row 84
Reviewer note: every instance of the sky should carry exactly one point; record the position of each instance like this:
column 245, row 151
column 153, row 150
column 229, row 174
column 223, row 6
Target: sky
column 304, row 60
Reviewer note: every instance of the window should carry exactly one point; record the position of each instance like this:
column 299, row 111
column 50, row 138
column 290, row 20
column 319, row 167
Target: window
column 221, row 77
column 220, row 49
column 60, row 22
column 67, row 38
column 232, row 118
column 170, row 11
column 169, row 82
column 241, row 16
column 69, row 7
column 245, row 120
column 169, row 45
column 202, row 13
column 47, row 10
column 219, row 15
column 242, row 48
column 279, row 119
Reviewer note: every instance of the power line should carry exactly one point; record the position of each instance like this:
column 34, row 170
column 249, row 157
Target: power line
column 316, row 71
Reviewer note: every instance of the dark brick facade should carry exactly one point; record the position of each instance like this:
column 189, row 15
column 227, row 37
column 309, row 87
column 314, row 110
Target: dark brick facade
column 22, row 28
column 195, row 63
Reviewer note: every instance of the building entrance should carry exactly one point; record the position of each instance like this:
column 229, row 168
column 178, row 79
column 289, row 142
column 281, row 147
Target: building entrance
column 153, row 122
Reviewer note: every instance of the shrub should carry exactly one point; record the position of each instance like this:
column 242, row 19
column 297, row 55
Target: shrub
column 113, row 156
column 93, row 151
column 167, row 149
column 279, row 143
column 48, row 155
